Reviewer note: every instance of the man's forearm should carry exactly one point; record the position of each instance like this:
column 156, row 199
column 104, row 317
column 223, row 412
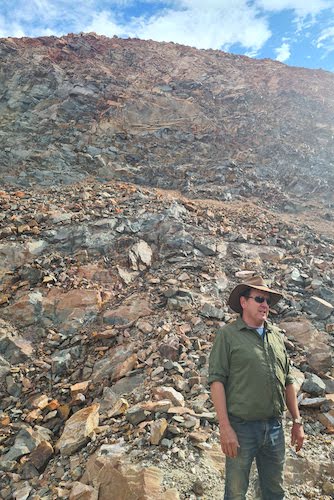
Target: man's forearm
column 219, row 400
column 291, row 401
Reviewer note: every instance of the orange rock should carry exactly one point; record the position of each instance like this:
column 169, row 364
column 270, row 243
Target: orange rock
column 41, row 401
column 106, row 334
column 19, row 194
column 125, row 367
column 158, row 430
column 80, row 387
column 33, row 415
column 78, row 430
column 4, row 420
column 64, row 411
column 157, row 406
column 53, row 405
column 199, row 436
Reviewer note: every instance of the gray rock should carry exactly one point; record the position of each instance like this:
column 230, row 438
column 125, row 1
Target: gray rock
column 326, row 294
column 313, row 385
column 319, row 307
column 136, row 414
column 26, row 441
column 13, row 348
column 329, row 386
column 62, row 360
column 206, row 248
column 4, row 368
column 210, row 311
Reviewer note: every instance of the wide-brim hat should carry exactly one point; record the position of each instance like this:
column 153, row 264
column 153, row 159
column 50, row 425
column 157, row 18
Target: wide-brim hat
column 256, row 282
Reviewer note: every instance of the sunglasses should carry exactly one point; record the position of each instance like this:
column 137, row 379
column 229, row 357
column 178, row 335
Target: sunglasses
column 260, row 300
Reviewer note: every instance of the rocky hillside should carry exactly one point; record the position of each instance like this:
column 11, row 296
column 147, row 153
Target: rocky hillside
column 165, row 115
column 140, row 182
column 110, row 297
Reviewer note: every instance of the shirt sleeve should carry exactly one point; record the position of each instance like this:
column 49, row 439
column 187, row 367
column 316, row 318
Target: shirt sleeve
column 288, row 376
column 219, row 365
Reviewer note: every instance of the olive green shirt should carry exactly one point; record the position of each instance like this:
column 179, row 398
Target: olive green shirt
column 254, row 370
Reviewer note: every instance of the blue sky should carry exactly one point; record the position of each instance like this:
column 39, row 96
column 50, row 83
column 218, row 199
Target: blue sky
column 296, row 32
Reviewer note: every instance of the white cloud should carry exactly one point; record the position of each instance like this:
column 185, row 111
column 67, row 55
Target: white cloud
column 326, row 41
column 283, row 52
column 220, row 25
column 301, row 7
column 12, row 29
column 103, row 24
column 327, row 36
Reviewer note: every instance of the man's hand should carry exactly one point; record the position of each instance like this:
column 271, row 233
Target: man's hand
column 229, row 441
column 297, row 436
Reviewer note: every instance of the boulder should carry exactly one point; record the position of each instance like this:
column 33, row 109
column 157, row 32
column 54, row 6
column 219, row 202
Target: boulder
column 78, row 430
column 118, row 480
column 83, row 492
column 140, row 256
column 319, row 307
column 169, row 393
column 134, row 308
column 313, row 385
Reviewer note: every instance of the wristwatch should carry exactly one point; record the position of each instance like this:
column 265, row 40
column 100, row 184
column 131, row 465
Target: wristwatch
column 298, row 420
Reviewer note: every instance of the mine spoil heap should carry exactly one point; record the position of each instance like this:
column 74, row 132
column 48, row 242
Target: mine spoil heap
column 111, row 294
column 141, row 182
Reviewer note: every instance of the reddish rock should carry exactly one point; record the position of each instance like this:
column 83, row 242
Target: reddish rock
column 129, row 312
column 124, row 367
column 41, row 455
column 170, row 349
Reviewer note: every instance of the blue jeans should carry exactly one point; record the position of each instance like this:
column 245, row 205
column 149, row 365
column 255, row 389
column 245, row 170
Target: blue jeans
column 264, row 441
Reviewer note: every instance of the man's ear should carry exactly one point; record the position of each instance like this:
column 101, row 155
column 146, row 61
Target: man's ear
column 243, row 301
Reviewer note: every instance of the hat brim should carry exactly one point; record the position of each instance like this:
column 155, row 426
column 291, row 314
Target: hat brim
column 234, row 298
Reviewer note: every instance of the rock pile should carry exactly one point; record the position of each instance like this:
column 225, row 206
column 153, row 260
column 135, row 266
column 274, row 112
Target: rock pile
column 110, row 297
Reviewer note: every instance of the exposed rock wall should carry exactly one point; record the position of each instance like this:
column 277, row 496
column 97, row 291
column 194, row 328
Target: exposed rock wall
column 164, row 115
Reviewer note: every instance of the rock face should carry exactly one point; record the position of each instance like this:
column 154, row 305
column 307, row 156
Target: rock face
column 133, row 110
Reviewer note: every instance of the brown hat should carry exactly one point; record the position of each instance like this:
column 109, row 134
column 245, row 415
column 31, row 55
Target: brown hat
column 253, row 282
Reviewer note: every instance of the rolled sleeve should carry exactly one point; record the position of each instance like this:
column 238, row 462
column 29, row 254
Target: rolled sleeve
column 289, row 379
column 218, row 361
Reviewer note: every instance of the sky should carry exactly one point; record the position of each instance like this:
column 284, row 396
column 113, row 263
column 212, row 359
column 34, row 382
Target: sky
column 294, row 32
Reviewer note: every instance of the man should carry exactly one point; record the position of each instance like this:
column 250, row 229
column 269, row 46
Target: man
column 250, row 385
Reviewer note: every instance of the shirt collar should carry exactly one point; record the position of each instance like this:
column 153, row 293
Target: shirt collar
column 241, row 325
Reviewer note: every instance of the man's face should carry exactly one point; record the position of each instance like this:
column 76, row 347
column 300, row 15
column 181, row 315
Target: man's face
column 255, row 312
